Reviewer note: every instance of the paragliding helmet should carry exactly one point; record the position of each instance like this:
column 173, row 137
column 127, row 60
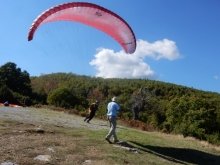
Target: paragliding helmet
column 97, row 101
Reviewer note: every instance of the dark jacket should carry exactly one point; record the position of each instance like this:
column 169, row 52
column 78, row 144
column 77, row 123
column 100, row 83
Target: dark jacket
column 93, row 107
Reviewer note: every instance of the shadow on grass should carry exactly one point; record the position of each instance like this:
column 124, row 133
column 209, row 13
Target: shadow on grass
column 180, row 155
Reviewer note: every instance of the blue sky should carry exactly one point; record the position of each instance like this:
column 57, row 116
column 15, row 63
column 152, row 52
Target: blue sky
column 177, row 42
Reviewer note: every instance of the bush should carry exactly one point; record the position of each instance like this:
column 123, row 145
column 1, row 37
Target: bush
column 214, row 138
column 62, row 97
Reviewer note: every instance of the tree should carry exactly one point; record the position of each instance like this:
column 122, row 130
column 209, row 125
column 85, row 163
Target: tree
column 139, row 100
column 15, row 79
column 5, row 94
column 62, row 97
column 39, row 96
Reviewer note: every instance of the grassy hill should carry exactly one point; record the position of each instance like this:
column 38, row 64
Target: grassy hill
column 27, row 133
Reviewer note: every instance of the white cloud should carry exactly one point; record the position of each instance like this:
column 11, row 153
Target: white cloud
column 216, row 77
column 160, row 49
column 110, row 64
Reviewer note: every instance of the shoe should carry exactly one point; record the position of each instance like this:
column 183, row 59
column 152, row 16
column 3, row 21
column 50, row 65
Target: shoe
column 116, row 141
column 84, row 120
column 88, row 122
column 108, row 140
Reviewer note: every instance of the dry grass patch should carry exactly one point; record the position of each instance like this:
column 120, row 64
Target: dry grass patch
column 21, row 142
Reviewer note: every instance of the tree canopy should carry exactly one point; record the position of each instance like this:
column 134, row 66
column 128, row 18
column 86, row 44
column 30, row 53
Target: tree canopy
column 15, row 79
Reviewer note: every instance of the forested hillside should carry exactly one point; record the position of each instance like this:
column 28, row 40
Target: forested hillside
column 167, row 107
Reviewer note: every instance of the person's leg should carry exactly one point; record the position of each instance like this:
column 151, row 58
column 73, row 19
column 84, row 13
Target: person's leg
column 90, row 117
column 115, row 139
column 109, row 122
column 112, row 120
column 86, row 118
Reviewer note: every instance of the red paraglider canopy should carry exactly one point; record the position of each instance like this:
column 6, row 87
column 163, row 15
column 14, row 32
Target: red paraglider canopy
column 92, row 15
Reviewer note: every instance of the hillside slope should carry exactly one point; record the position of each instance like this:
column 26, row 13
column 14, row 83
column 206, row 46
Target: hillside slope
column 76, row 142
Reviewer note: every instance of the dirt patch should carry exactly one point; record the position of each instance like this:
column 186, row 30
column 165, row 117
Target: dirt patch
column 56, row 118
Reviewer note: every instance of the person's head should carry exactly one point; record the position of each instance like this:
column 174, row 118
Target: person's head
column 97, row 101
column 114, row 99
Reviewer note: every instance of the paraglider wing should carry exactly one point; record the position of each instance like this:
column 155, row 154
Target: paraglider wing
column 92, row 15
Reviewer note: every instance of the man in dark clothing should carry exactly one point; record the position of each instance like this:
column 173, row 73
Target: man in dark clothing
column 6, row 103
column 92, row 109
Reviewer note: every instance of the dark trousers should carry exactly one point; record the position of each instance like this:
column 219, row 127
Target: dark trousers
column 88, row 118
